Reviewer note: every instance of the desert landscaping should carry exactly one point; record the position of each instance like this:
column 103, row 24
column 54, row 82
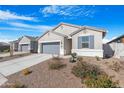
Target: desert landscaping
column 86, row 72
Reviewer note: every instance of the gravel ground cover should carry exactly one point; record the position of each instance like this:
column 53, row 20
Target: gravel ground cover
column 43, row 77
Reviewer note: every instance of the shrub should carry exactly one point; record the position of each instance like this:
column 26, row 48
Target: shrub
column 56, row 63
column 73, row 57
column 16, row 85
column 97, row 58
column 26, row 71
column 102, row 81
column 83, row 70
column 7, row 50
column 92, row 76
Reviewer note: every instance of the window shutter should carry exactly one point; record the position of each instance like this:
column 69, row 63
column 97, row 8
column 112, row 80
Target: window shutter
column 91, row 42
column 79, row 42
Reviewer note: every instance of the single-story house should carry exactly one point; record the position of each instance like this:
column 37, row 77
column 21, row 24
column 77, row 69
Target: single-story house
column 28, row 44
column 15, row 44
column 66, row 38
column 115, row 47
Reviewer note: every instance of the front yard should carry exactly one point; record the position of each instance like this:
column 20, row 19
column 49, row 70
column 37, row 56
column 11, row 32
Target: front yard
column 60, row 73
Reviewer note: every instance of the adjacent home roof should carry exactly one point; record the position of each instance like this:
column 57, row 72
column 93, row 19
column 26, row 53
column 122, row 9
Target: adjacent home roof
column 119, row 37
column 16, row 41
column 31, row 38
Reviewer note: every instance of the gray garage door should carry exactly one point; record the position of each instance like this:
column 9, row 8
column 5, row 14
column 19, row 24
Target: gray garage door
column 24, row 47
column 51, row 48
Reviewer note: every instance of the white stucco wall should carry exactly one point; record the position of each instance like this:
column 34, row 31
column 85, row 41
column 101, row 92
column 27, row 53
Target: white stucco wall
column 51, row 37
column 25, row 40
column 98, row 47
column 66, row 30
column 88, row 52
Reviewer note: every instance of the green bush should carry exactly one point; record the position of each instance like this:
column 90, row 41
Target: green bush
column 92, row 76
column 73, row 57
column 83, row 69
column 102, row 81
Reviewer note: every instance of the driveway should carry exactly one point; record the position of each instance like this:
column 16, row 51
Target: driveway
column 12, row 66
column 8, row 54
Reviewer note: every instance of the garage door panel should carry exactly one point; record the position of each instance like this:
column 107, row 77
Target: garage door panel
column 51, row 48
column 24, row 47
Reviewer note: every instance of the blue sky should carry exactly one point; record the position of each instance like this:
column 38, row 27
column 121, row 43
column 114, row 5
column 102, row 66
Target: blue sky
column 16, row 21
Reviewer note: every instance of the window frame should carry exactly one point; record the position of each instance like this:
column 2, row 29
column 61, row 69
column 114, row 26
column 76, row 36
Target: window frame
column 85, row 42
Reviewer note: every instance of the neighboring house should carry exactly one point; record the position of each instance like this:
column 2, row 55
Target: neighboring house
column 115, row 47
column 15, row 44
column 67, row 38
column 4, row 47
column 28, row 44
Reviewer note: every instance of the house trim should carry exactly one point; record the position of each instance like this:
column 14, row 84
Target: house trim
column 52, row 32
column 90, row 28
column 76, row 26
column 88, row 52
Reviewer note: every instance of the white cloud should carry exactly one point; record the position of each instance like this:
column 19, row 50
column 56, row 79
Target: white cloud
column 30, row 27
column 68, row 10
column 6, row 38
column 22, row 27
column 16, row 29
column 7, row 15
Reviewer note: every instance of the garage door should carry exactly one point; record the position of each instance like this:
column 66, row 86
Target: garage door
column 24, row 47
column 51, row 48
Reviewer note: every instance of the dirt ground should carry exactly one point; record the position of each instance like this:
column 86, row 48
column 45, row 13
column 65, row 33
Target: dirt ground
column 43, row 77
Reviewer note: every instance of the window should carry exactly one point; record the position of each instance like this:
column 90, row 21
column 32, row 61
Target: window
column 85, row 42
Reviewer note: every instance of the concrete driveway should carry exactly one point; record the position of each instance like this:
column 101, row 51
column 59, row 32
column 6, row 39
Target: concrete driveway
column 8, row 54
column 12, row 66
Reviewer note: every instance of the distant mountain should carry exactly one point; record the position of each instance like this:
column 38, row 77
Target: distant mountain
column 4, row 44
